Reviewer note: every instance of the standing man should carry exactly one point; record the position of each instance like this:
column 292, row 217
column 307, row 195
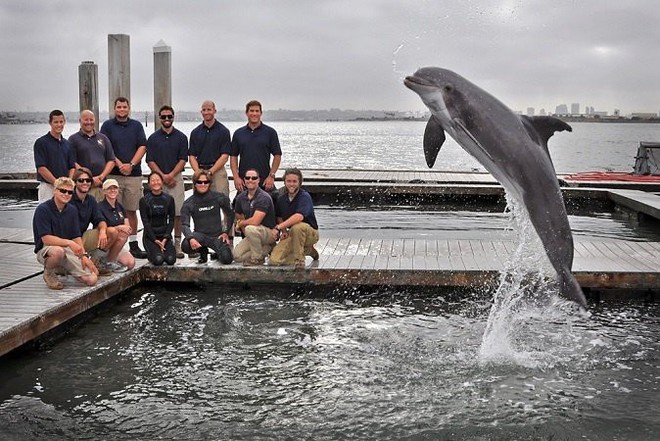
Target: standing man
column 129, row 144
column 57, row 241
column 211, row 212
column 255, row 143
column 255, row 216
column 167, row 152
column 53, row 157
column 92, row 150
column 210, row 145
column 296, row 226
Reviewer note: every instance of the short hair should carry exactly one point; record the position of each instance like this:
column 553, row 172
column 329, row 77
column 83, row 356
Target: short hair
column 54, row 113
column 82, row 171
column 121, row 99
column 199, row 173
column 166, row 107
column 63, row 181
column 254, row 170
column 294, row 171
column 253, row 103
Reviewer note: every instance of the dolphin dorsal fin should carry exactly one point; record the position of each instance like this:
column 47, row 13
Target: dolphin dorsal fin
column 434, row 137
column 541, row 128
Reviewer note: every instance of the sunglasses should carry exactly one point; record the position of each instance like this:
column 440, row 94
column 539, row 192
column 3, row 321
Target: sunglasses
column 202, row 182
column 84, row 180
column 164, row 117
column 251, row 178
column 65, row 191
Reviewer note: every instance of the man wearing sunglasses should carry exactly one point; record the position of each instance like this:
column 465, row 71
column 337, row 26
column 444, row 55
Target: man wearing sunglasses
column 255, row 217
column 53, row 156
column 57, row 241
column 210, row 144
column 211, row 212
column 93, row 150
column 129, row 144
column 167, row 152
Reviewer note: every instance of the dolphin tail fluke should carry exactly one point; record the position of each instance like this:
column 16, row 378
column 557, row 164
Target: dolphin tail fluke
column 434, row 137
column 571, row 289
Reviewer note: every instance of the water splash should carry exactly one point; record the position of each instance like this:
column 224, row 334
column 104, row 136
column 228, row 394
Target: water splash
column 527, row 292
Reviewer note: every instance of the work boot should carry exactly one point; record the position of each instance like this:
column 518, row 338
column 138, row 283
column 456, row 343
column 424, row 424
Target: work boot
column 312, row 252
column 136, row 251
column 253, row 262
column 51, row 279
column 203, row 255
column 177, row 247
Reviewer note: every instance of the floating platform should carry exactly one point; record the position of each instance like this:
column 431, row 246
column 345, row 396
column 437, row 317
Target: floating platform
column 607, row 268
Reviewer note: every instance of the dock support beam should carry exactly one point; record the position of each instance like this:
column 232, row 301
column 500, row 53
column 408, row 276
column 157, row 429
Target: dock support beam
column 88, row 89
column 162, row 78
column 119, row 69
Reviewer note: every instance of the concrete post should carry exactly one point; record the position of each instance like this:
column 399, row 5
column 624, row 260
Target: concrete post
column 119, row 69
column 162, row 78
column 88, row 89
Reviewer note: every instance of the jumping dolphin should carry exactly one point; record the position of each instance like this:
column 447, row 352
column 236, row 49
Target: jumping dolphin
column 512, row 148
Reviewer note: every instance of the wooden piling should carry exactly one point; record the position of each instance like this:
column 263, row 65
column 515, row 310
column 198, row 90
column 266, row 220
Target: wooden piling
column 88, row 89
column 119, row 69
column 162, row 79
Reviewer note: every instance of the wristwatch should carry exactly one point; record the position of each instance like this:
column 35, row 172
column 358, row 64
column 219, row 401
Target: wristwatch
column 132, row 165
column 272, row 175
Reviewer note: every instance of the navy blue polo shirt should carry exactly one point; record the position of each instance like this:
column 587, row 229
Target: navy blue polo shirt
column 207, row 144
column 54, row 154
column 125, row 137
column 48, row 220
column 88, row 211
column 112, row 216
column 261, row 202
column 301, row 203
column 92, row 152
column 167, row 149
column 254, row 148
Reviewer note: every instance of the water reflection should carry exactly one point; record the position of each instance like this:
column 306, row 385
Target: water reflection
column 279, row 363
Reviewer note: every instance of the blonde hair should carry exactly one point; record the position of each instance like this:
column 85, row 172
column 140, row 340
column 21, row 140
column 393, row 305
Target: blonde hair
column 63, row 182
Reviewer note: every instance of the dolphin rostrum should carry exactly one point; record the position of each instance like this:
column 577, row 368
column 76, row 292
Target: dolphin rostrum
column 512, row 148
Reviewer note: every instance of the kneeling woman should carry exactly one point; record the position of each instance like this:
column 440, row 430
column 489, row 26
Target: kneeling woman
column 157, row 214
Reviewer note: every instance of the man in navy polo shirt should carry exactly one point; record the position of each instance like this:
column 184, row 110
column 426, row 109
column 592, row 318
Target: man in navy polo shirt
column 129, row 144
column 254, row 143
column 57, row 241
column 167, row 151
column 210, row 145
column 92, row 150
column 53, row 157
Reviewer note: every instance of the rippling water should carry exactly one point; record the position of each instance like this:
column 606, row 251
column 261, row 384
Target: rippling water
column 393, row 145
column 223, row 363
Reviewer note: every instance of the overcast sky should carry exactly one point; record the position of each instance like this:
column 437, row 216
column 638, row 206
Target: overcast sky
column 353, row 54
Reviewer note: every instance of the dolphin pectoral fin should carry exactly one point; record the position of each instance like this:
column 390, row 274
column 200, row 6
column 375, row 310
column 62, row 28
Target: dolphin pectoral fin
column 434, row 137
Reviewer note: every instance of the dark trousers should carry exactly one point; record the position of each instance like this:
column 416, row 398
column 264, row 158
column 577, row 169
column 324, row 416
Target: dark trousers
column 158, row 257
column 220, row 248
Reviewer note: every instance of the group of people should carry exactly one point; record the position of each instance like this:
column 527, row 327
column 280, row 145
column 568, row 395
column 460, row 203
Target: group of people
column 95, row 178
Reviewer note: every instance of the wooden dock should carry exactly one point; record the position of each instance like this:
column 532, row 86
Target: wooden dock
column 28, row 309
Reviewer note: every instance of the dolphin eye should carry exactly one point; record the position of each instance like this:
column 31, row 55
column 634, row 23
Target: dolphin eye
column 448, row 88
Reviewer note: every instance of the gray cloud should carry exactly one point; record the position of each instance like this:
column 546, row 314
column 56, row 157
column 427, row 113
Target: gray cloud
column 345, row 54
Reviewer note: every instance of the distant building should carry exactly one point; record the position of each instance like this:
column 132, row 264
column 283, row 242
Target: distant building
column 561, row 109
column 530, row 111
column 542, row 112
column 575, row 108
column 599, row 113
column 643, row 115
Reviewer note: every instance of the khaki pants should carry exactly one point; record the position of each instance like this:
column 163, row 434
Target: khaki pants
column 220, row 181
column 256, row 244
column 296, row 246
column 45, row 191
column 177, row 192
column 71, row 263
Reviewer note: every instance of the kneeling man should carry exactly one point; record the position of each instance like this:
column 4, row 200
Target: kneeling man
column 57, row 239
column 296, row 226
column 255, row 217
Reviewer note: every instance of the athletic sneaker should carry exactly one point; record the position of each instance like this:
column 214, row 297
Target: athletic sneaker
column 116, row 267
column 51, row 279
column 100, row 265
column 312, row 253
